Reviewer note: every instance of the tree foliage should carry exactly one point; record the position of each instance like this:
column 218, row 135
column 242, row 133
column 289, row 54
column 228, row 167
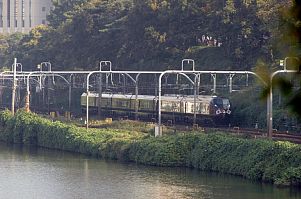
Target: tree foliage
column 150, row 33
column 289, row 47
column 158, row 34
column 292, row 21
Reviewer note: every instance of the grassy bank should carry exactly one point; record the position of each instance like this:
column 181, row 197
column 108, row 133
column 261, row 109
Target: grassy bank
column 263, row 160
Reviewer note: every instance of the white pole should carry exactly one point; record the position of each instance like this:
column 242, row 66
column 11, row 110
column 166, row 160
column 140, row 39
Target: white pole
column 270, row 101
column 14, row 86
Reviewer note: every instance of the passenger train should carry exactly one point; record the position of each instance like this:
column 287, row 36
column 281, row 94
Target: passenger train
column 180, row 109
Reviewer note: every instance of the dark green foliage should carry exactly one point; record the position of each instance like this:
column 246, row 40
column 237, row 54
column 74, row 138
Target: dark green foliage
column 143, row 34
column 262, row 160
column 28, row 128
column 166, row 151
column 248, row 109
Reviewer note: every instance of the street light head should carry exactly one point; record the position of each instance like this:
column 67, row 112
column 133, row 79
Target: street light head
column 39, row 66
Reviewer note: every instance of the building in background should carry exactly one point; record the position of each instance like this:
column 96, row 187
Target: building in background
column 23, row 15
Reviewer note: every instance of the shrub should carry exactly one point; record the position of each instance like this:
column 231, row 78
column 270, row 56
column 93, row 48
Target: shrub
column 264, row 160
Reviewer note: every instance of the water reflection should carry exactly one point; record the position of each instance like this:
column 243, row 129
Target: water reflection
column 42, row 173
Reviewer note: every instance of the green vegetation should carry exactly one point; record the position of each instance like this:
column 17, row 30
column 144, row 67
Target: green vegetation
column 28, row 128
column 262, row 160
column 154, row 34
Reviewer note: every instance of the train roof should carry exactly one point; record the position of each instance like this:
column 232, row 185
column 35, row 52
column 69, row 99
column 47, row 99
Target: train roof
column 151, row 97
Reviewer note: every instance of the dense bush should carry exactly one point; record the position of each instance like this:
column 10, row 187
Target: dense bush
column 29, row 128
column 263, row 160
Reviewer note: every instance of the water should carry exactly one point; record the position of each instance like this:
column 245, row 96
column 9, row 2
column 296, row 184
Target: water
column 41, row 173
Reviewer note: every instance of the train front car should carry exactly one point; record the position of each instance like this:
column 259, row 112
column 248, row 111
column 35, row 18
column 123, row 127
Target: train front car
column 221, row 109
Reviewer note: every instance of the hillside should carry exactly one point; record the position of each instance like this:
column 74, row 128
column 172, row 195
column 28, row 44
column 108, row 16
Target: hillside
column 152, row 34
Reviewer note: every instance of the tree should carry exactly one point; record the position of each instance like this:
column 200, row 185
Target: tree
column 63, row 10
column 292, row 38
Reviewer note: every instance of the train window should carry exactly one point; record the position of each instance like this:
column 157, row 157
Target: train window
column 122, row 103
column 192, row 108
column 176, row 107
column 145, row 104
column 105, row 102
column 203, row 108
column 170, row 106
column 207, row 109
column 226, row 103
column 218, row 101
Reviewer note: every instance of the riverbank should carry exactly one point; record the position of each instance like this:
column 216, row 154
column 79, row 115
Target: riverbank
column 262, row 160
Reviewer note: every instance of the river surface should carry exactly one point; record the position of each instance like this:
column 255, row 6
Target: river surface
column 42, row 173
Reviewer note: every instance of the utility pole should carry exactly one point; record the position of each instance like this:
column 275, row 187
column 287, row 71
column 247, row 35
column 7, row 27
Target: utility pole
column 14, row 86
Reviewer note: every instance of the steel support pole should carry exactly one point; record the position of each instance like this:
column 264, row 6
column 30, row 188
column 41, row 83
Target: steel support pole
column 194, row 98
column 107, row 81
column 270, row 101
column 160, row 93
column 124, row 85
column 111, row 72
column 194, row 105
column 214, row 82
column 101, row 64
column 231, row 82
column 182, row 72
column 136, row 97
column 199, row 84
column 69, row 97
column 14, row 86
column 70, row 92
column 99, row 95
column 87, row 109
column 159, row 104
column 38, row 74
column 136, row 101
column 270, row 113
column 135, row 81
column 48, row 94
column 27, row 99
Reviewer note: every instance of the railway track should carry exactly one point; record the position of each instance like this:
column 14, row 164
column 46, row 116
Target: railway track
column 259, row 133
column 252, row 133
